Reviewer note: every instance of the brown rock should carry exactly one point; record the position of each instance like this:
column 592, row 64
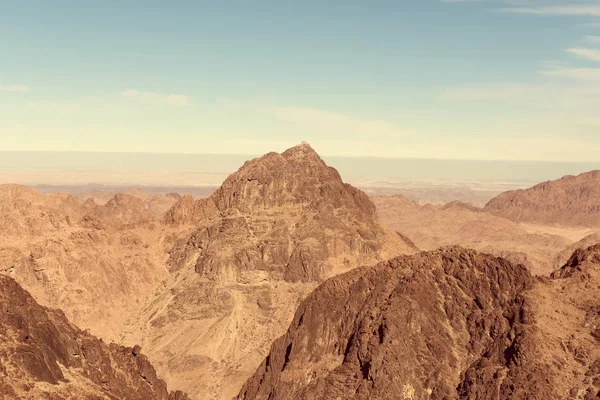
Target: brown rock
column 444, row 324
column 570, row 201
column 433, row 226
column 287, row 214
column 275, row 229
column 38, row 344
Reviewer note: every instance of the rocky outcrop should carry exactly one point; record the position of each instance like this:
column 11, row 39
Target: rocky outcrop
column 563, row 257
column 580, row 262
column 570, row 201
column 566, row 310
column 124, row 210
column 448, row 324
column 444, row 324
column 43, row 356
column 95, row 262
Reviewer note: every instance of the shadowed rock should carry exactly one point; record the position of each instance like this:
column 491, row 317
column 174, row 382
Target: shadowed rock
column 43, row 356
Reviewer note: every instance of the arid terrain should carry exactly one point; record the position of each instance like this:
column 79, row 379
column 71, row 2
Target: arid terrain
column 381, row 297
column 429, row 227
column 204, row 285
column 451, row 323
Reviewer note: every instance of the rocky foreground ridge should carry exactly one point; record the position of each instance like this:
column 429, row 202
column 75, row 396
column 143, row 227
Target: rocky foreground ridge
column 446, row 324
column 443, row 324
column 43, row 356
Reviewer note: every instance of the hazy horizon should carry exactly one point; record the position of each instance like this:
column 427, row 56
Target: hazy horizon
column 198, row 170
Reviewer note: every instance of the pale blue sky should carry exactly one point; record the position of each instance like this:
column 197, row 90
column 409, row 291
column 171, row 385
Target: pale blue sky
column 512, row 80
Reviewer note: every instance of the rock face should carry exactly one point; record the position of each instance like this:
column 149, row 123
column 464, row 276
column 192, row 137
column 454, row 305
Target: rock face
column 563, row 257
column 43, row 356
column 445, row 324
column 285, row 216
column 189, row 211
column 276, row 228
column 570, row 201
column 448, row 324
column 566, row 310
column 582, row 262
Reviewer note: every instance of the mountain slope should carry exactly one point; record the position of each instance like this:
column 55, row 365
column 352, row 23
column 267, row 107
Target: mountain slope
column 444, row 324
column 431, row 227
column 43, row 356
column 275, row 229
column 570, row 201
column 94, row 262
column 451, row 323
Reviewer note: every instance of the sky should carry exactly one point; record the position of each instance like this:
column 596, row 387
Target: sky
column 454, row 79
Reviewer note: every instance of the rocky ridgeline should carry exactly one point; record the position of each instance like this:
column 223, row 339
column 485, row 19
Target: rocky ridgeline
column 570, row 201
column 444, row 324
column 43, row 356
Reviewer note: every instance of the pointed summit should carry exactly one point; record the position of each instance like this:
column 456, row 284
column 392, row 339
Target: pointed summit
column 303, row 151
column 296, row 176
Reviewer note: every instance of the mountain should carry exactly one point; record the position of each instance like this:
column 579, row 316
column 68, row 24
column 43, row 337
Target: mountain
column 43, row 356
column 565, row 308
column 443, row 324
column 570, row 201
column 452, row 323
column 431, row 227
column 286, row 216
column 253, row 250
column 94, row 262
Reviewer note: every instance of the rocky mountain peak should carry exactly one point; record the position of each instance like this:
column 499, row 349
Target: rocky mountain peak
column 296, row 176
column 302, row 152
column 284, row 214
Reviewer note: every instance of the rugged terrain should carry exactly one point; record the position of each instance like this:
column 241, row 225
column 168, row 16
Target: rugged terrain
column 451, row 323
column 570, row 201
column 205, row 285
column 43, row 356
column 94, row 262
column 431, row 227
column 268, row 236
column 444, row 324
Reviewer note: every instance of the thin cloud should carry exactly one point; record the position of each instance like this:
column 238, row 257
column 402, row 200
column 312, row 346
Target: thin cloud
column 177, row 100
column 577, row 74
column 587, row 53
column 556, row 10
column 14, row 88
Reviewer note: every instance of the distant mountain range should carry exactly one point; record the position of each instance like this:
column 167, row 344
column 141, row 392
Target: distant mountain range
column 152, row 169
